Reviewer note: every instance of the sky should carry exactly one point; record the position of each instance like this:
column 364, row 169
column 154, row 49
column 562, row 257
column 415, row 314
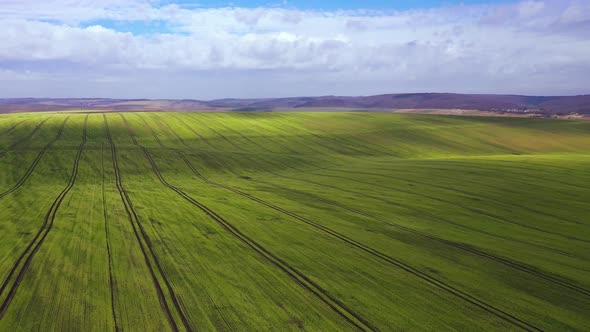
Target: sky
column 185, row 49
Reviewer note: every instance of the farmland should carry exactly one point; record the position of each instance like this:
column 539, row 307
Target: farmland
column 293, row 221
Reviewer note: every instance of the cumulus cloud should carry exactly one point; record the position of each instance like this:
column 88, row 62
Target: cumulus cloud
column 534, row 47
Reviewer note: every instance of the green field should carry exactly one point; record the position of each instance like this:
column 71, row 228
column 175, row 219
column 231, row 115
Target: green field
column 293, row 221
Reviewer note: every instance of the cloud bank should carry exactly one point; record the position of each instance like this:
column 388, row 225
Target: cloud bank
column 135, row 48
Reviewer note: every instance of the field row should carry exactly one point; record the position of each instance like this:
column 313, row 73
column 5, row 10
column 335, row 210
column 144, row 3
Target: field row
column 202, row 221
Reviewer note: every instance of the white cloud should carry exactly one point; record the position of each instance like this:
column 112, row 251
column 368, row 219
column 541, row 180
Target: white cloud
column 525, row 47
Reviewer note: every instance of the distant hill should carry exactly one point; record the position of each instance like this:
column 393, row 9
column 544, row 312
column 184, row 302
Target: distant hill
column 483, row 102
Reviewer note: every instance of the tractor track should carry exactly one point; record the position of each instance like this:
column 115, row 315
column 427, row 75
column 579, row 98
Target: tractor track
column 246, row 138
column 151, row 131
column 498, row 259
column 355, row 148
column 406, row 267
column 107, row 240
column 195, row 132
column 20, row 141
column 560, row 168
column 468, row 193
column 271, row 138
column 142, row 235
column 41, row 235
column 339, row 307
column 12, row 128
column 473, row 210
column 477, row 211
column 423, row 213
column 218, row 134
column 472, row 167
column 524, row 171
column 35, row 162
column 414, row 182
column 181, row 140
column 162, row 124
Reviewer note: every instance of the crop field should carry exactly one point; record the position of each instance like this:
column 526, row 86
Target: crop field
column 187, row 221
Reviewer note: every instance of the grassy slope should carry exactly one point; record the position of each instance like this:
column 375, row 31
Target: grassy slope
column 288, row 221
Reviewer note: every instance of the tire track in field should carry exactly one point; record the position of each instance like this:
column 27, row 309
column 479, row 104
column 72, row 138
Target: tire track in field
column 432, row 198
column 340, row 141
column 194, row 132
column 339, row 307
column 525, row 174
column 293, row 152
column 107, row 239
column 528, row 163
column 505, row 261
column 41, row 235
column 472, row 167
column 163, row 123
column 218, row 134
column 406, row 267
column 424, row 213
column 414, row 182
column 151, row 131
column 246, row 138
column 270, row 138
column 31, row 168
column 446, row 174
column 522, row 166
column 142, row 235
column 467, row 297
column 20, row 141
column 129, row 130
column 303, row 280
column 318, row 141
column 9, row 130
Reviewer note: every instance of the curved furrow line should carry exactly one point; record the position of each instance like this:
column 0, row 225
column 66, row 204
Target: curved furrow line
column 526, row 171
column 294, row 152
column 20, row 141
column 218, row 134
column 338, row 141
column 170, row 129
column 35, row 162
column 528, row 163
column 467, row 208
column 424, row 214
column 27, row 256
column 246, row 138
column 404, row 266
column 271, row 138
column 11, row 129
column 446, row 175
column 148, row 247
column 108, row 242
column 129, row 130
column 472, row 167
column 195, row 132
column 479, row 252
column 336, row 305
column 464, row 192
column 180, row 139
column 151, row 131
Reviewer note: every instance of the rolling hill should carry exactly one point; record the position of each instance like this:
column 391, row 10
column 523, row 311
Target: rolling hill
column 483, row 102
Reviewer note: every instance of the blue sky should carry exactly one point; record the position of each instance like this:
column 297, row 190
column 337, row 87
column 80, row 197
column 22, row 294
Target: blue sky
column 158, row 26
column 335, row 4
column 217, row 49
